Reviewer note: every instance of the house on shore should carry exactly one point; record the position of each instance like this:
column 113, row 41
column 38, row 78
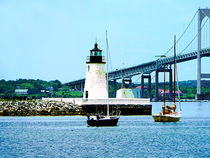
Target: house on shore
column 21, row 91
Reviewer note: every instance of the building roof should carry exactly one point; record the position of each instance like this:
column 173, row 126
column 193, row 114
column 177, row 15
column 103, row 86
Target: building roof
column 21, row 90
column 139, row 87
column 162, row 91
column 96, row 48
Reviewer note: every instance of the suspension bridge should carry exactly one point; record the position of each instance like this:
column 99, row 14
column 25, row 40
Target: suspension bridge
column 193, row 43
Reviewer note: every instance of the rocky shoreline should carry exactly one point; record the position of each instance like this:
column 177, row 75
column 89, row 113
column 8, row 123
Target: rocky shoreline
column 39, row 108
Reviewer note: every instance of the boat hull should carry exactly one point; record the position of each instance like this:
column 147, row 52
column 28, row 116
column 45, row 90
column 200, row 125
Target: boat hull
column 165, row 118
column 103, row 122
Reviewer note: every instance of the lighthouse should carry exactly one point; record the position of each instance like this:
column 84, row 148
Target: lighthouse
column 95, row 82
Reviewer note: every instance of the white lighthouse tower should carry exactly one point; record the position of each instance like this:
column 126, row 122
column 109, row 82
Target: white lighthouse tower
column 95, row 82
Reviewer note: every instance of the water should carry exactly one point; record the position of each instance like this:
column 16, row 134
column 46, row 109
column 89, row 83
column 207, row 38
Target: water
column 135, row 136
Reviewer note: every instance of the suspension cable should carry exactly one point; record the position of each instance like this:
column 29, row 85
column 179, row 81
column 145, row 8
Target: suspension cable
column 193, row 38
column 183, row 32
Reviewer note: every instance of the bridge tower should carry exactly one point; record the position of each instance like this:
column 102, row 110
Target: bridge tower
column 95, row 82
column 202, row 13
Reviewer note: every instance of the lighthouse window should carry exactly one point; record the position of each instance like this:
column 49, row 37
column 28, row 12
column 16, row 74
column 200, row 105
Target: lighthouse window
column 99, row 54
column 86, row 94
column 88, row 68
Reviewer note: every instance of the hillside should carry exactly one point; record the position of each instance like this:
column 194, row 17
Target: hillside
column 30, row 88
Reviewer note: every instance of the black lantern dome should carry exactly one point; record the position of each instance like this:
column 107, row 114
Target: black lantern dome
column 95, row 55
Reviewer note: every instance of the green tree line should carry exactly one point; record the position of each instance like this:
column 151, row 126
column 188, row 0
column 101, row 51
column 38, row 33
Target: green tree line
column 39, row 88
column 36, row 89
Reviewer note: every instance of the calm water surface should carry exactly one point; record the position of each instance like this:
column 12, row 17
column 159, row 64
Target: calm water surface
column 135, row 136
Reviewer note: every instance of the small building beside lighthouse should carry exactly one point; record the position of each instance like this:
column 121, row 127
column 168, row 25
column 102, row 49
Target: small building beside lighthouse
column 95, row 82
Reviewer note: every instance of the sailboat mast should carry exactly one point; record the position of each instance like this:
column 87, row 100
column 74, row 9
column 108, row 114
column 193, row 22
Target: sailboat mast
column 164, row 94
column 107, row 74
column 121, row 79
column 175, row 69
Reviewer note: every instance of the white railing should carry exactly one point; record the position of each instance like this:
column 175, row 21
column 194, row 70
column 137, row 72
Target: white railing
column 112, row 101
column 116, row 101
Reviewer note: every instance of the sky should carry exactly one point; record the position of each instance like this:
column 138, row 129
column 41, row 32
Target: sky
column 50, row 39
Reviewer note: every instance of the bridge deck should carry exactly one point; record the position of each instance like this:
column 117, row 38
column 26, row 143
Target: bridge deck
column 147, row 68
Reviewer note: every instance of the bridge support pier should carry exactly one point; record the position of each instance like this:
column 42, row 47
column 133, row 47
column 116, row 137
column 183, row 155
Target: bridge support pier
column 115, row 88
column 157, row 83
column 149, row 86
column 82, row 86
column 124, row 80
column 123, row 83
column 129, row 80
column 142, row 86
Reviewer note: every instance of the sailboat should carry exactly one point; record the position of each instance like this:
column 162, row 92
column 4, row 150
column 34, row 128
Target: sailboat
column 168, row 113
column 104, row 120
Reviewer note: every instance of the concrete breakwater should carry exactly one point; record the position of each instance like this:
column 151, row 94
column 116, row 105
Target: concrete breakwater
column 57, row 108
column 38, row 108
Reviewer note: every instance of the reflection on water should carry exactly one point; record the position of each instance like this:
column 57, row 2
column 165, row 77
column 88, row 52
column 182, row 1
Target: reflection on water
column 135, row 136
